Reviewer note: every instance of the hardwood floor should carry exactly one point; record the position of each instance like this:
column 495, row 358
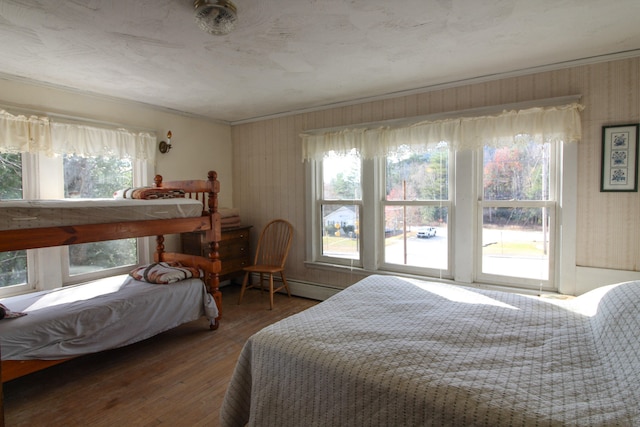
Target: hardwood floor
column 177, row 378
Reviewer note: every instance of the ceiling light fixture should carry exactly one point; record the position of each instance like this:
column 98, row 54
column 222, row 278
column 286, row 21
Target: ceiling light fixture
column 218, row 18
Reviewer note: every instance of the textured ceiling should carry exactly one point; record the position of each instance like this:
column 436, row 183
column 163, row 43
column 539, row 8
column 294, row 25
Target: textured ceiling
column 288, row 55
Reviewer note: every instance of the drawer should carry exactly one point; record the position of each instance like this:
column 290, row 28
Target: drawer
column 234, row 265
column 233, row 249
column 239, row 234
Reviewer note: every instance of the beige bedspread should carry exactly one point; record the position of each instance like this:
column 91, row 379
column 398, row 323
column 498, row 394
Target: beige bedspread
column 394, row 352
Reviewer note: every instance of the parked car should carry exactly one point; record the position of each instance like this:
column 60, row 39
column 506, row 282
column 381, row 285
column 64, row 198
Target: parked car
column 425, row 233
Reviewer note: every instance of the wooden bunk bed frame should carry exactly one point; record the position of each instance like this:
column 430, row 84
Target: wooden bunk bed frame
column 205, row 191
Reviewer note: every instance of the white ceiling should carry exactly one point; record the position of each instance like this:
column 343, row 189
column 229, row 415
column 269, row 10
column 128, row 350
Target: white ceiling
column 290, row 55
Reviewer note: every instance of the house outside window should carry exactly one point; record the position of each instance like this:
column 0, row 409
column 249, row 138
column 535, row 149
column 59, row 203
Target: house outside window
column 340, row 205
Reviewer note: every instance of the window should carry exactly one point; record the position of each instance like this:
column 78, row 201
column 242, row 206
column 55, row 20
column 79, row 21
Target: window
column 98, row 177
column 416, row 210
column 340, row 208
column 85, row 177
column 13, row 265
column 517, row 214
column 106, row 160
column 458, row 199
column 11, row 176
column 407, row 230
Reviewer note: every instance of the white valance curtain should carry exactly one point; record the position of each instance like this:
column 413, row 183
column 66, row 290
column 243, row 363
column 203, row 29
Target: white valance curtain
column 540, row 124
column 33, row 134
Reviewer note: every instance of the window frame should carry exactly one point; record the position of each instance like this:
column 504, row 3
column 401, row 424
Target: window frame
column 48, row 268
column 530, row 283
column 448, row 203
column 372, row 257
column 555, row 181
column 463, row 266
column 318, row 249
column 29, row 164
column 140, row 178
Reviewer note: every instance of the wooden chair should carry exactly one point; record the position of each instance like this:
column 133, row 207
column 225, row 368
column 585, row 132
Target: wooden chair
column 271, row 255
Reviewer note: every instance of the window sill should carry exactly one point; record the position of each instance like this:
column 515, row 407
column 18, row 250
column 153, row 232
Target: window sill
column 362, row 273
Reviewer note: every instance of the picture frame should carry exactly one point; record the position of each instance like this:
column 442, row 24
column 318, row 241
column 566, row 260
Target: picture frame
column 619, row 158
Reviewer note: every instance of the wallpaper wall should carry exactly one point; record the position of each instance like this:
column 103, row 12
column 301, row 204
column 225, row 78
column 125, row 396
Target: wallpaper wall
column 268, row 175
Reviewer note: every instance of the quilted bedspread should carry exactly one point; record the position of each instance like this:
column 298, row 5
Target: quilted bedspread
column 107, row 313
column 389, row 351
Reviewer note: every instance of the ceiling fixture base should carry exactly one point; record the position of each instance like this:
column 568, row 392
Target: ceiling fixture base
column 218, row 18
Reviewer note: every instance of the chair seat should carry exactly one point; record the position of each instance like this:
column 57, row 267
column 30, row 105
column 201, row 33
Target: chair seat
column 263, row 269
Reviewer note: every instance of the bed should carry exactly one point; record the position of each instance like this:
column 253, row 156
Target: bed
column 394, row 351
column 109, row 303
column 37, row 224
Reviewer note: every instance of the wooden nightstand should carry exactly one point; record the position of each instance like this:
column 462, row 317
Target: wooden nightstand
column 235, row 249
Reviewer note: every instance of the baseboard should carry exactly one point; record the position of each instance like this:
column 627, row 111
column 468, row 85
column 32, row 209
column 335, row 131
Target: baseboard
column 312, row 290
column 587, row 278
column 305, row 289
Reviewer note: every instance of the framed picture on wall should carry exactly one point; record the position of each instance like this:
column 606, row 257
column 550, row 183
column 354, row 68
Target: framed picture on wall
column 619, row 158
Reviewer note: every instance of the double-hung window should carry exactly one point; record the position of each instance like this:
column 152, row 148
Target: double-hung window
column 472, row 199
column 340, row 206
column 517, row 213
column 41, row 159
column 96, row 178
column 416, row 205
column 13, row 264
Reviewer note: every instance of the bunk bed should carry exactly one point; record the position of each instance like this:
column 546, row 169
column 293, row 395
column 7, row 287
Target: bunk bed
column 196, row 209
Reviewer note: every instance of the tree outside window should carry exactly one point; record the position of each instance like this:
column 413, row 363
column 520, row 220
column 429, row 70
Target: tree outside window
column 13, row 264
column 98, row 177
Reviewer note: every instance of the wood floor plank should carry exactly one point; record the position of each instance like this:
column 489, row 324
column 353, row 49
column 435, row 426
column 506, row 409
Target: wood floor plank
column 177, row 378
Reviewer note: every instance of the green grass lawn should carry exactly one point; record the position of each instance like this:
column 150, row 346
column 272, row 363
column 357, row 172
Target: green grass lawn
column 517, row 248
column 340, row 244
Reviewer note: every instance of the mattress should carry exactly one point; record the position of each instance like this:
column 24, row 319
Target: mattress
column 24, row 214
column 104, row 314
column 389, row 351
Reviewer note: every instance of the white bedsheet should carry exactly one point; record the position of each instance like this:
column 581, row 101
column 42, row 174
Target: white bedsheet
column 394, row 352
column 24, row 214
column 104, row 314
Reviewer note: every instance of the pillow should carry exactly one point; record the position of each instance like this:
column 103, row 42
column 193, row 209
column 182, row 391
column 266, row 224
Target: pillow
column 149, row 193
column 163, row 273
column 5, row 313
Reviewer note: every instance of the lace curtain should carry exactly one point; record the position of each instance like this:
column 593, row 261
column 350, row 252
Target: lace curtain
column 22, row 134
column 558, row 123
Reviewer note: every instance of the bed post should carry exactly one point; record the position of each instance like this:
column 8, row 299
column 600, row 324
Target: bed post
column 157, row 182
column 159, row 246
column 214, row 235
